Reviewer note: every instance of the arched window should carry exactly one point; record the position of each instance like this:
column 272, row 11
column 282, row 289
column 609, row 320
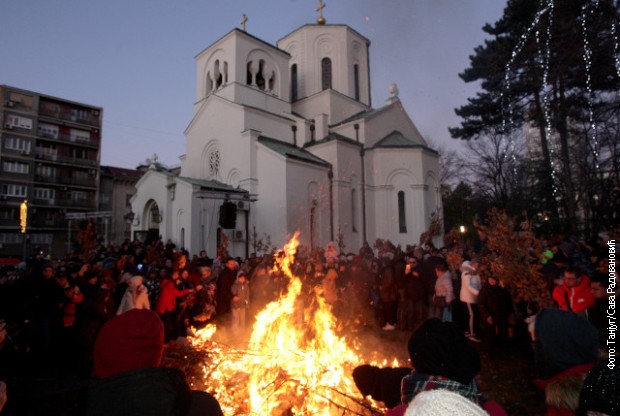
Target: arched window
column 225, row 72
column 353, row 210
column 219, row 79
column 326, row 73
column 356, row 80
column 248, row 79
column 313, row 219
column 272, row 82
column 260, row 76
column 209, row 83
column 294, row 82
column 402, row 220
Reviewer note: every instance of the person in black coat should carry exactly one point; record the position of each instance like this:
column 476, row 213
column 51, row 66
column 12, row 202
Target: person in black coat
column 495, row 305
column 224, row 283
column 130, row 381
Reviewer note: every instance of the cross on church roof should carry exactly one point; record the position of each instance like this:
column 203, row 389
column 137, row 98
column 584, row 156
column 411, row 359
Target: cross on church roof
column 320, row 20
column 244, row 20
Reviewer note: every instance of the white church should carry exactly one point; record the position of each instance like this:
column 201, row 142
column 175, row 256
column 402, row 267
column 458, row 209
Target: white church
column 285, row 138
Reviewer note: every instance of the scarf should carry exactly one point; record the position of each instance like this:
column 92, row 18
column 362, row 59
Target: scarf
column 416, row 382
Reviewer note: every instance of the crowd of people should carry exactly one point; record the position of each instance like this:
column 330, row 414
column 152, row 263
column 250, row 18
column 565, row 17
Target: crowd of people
column 53, row 312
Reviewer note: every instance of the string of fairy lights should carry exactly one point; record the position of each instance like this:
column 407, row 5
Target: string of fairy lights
column 510, row 152
column 546, row 102
column 587, row 58
column 614, row 36
column 586, row 19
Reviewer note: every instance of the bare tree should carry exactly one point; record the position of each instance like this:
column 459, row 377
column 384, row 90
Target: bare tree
column 451, row 165
column 496, row 169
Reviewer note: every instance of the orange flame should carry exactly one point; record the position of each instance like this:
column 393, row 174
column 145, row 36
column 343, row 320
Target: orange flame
column 295, row 363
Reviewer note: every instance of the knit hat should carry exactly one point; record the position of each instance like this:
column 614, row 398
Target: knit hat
column 600, row 391
column 129, row 341
column 442, row 403
column 366, row 378
column 438, row 348
column 563, row 340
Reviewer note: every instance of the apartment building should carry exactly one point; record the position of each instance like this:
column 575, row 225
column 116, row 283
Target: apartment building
column 50, row 150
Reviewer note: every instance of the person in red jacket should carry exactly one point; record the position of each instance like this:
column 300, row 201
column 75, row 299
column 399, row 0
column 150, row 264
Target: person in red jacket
column 167, row 305
column 574, row 294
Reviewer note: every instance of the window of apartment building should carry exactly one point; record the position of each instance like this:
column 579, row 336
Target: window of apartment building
column 43, row 238
column 80, row 114
column 11, row 189
column 79, row 153
column 81, row 175
column 17, row 143
column 10, row 238
column 11, row 121
column 47, row 150
column 44, row 193
column 79, row 135
column 47, row 130
column 47, row 171
column 8, row 214
column 23, row 100
column 78, row 196
column 50, row 107
column 15, row 167
column 104, row 198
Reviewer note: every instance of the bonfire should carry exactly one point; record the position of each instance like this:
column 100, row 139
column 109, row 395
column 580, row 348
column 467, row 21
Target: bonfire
column 295, row 362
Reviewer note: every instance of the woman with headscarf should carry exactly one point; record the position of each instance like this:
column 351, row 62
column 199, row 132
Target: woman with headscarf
column 136, row 296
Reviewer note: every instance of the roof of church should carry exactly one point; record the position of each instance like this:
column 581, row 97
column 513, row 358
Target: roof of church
column 327, row 25
column 242, row 32
column 212, row 185
column 290, row 151
column 332, row 137
column 365, row 114
column 397, row 139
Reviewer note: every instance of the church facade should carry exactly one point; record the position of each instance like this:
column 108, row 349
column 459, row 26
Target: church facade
column 284, row 138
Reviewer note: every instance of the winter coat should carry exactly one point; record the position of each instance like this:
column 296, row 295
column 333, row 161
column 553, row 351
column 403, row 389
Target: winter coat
column 242, row 293
column 151, row 391
column 494, row 301
column 576, row 299
column 415, row 288
column 136, row 296
column 443, row 287
column 168, row 295
column 223, row 295
column 330, row 291
column 470, row 284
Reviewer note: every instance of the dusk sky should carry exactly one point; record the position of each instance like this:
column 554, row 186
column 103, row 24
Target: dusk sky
column 136, row 58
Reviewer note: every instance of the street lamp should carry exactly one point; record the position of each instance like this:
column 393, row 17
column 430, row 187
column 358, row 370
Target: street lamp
column 23, row 223
column 462, row 230
column 132, row 219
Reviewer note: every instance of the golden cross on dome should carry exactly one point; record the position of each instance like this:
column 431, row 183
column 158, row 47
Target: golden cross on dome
column 320, row 20
column 244, row 20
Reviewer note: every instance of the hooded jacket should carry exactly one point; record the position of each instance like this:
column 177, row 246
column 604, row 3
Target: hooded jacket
column 576, row 299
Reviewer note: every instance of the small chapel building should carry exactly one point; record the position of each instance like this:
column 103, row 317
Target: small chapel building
column 285, row 138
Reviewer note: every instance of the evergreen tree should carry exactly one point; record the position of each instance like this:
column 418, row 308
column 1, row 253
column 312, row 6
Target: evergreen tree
column 552, row 65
